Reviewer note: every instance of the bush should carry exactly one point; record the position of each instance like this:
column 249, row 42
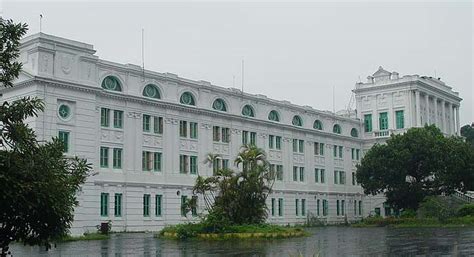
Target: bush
column 408, row 213
column 437, row 207
column 466, row 210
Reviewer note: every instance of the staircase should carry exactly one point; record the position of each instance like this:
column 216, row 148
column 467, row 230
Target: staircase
column 467, row 197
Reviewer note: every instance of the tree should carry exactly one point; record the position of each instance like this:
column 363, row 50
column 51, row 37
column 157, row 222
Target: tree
column 233, row 198
column 467, row 131
column 421, row 162
column 38, row 183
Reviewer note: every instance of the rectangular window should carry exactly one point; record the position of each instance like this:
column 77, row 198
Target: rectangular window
column 183, row 164
column 104, row 117
column 325, row 208
column 355, row 208
column 357, row 154
column 323, row 176
column 216, row 136
column 193, row 130
column 253, row 138
column 273, row 207
column 156, row 161
column 194, row 207
column 353, row 153
column 321, row 149
column 317, row 207
column 158, row 205
column 245, row 137
column 360, row 208
column 301, row 146
column 295, row 173
column 104, row 157
column 383, row 121
column 117, row 158
column 335, row 151
column 118, row 119
column 342, row 177
column 215, row 166
column 225, row 163
column 303, row 207
column 64, row 137
column 297, row 207
column 183, row 128
column 343, row 207
column 271, row 139
column 184, row 199
column 400, row 119
column 353, row 178
column 316, row 148
column 280, row 207
column 316, row 175
column 278, row 143
column 368, row 122
column 157, row 125
column 295, row 145
column 147, row 161
column 336, row 177
column 118, row 205
column 340, row 151
column 338, row 210
column 146, row 205
column 146, row 123
column 301, row 174
column 225, row 135
column 279, row 172
column 104, row 204
column 193, row 168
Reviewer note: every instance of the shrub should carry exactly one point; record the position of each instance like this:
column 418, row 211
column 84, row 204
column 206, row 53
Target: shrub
column 466, row 210
column 437, row 207
column 408, row 213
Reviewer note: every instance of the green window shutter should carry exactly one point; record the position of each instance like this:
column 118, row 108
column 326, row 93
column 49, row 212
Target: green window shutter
column 64, row 137
column 343, row 206
column 156, row 161
column 118, row 205
column 317, row 207
column 118, row 119
column 303, row 207
column 383, row 121
column 340, row 151
column 400, row 119
column 316, row 175
column 270, row 141
column 280, row 207
column 104, row 204
column 104, row 117
column 295, row 145
column 335, row 151
column 321, row 148
column 146, row 205
column 278, row 143
column 183, row 207
column 301, row 146
column 158, row 205
column 146, row 123
column 117, row 158
column 253, row 138
column 193, row 165
column 368, row 122
column 158, row 125
column 295, row 173
column 323, row 176
column 183, row 130
column 337, row 208
column 301, row 174
column 297, row 201
column 104, row 157
column 193, row 130
column 273, row 207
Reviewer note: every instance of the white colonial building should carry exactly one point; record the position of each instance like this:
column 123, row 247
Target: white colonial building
column 147, row 135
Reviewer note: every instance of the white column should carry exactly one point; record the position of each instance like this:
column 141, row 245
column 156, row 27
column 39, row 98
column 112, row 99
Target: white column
column 435, row 101
column 417, row 108
column 458, row 123
column 427, row 98
column 451, row 118
column 443, row 116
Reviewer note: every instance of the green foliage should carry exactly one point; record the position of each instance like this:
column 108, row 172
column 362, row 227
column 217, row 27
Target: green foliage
column 237, row 197
column 415, row 222
column 38, row 183
column 408, row 213
column 466, row 210
column 414, row 165
column 467, row 131
column 437, row 207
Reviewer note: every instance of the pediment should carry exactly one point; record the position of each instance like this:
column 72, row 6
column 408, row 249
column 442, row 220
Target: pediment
column 381, row 73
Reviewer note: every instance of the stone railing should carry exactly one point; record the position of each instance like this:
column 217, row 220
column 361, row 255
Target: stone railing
column 464, row 197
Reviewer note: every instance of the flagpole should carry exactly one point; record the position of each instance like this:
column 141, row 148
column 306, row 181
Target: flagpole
column 41, row 18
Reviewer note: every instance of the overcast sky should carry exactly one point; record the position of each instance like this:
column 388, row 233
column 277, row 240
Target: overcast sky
column 292, row 51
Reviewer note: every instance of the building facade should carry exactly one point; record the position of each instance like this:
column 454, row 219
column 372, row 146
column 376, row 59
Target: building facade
column 147, row 135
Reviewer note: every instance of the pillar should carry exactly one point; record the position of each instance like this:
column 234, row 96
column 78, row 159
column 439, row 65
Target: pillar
column 443, row 116
column 417, row 108
column 427, row 98
column 458, row 124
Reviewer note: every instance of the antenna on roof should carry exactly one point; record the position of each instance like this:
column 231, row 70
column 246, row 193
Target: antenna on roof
column 143, row 54
column 41, row 18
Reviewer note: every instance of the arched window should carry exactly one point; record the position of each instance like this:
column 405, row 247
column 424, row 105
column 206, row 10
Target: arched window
column 297, row 121
column 219, row 105
column 274, row 116
column 152, row 91
column 248, row 111
column 111, row 83
column 336, row 129
column 354, row 132
column 187, row 98
column 318, row 125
